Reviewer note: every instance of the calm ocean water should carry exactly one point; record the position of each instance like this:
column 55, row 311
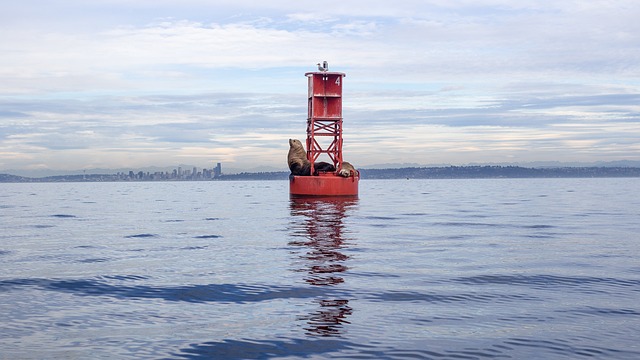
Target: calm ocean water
column 416, row 269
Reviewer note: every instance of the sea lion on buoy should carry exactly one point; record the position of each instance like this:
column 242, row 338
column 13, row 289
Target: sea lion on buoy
column 347, row 170
column 298, row 163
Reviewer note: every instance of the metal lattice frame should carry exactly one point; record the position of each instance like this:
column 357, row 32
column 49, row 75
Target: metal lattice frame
column 325, row 117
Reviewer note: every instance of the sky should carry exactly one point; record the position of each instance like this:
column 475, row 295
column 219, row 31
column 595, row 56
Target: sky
column 131, row 84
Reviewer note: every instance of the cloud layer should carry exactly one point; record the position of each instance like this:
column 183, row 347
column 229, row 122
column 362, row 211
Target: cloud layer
column 113, row 84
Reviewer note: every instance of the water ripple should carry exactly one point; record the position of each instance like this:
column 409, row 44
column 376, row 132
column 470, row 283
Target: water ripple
column 146, row 235
column 94, row 260
column 42, row 226
column 124, row 277
column 261, row 349
column 582, row 283
column 325, row 348
column 598, row 311
column 415, row 296
column 226, row 293
column 569, row 349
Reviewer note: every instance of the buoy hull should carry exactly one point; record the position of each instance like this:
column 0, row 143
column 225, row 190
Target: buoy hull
column 323, row 185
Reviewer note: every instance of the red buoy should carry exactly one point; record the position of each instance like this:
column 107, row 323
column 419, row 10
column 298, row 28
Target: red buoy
column 324, row 136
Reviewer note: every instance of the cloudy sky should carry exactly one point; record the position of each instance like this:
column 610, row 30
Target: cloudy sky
column 117, row 84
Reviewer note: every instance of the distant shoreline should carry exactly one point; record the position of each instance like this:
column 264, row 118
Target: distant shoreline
column 448, row 172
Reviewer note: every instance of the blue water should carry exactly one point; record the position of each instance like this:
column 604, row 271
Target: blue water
column 415, row 269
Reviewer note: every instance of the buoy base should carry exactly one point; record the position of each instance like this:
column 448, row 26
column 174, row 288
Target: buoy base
column 327, row 184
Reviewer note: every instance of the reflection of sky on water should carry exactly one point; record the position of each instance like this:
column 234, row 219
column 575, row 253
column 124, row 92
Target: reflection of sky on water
column 318, row 223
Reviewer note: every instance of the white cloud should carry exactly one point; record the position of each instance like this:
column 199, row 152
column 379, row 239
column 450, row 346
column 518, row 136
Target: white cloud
column 427, row 82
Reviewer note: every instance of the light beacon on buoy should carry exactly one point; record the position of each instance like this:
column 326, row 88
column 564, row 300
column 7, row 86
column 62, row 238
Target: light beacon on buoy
column 324, row 136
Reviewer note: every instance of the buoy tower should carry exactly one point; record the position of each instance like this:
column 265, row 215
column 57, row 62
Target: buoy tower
column 324, row 136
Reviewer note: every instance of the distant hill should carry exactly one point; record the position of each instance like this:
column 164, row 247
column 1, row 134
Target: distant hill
column 533, row 164
column 483, row 172
column 12, row 178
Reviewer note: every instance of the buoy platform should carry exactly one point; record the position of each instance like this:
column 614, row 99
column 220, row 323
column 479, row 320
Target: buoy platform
column 324, row 136
column 324, row 184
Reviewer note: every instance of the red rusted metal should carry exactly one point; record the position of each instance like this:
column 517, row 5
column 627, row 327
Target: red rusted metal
column 324, row 136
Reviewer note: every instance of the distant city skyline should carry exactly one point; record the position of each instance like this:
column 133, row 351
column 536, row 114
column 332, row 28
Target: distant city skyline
column 177, row 172
column 217, row 169
column 113, row 85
